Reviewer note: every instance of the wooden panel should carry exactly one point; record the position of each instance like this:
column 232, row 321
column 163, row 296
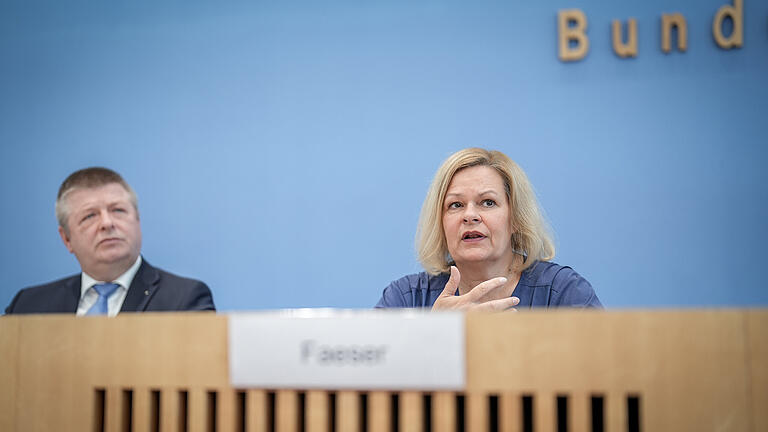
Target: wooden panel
column 56, row 374
column 9, row 352
column 444, row 411
column 757, row 337
column 664, row 356
column 692, row 370
column 316, row 417
column 287, row 411
column 411, row 411
column 379, row 412
column 257, row 417
column 52, row 374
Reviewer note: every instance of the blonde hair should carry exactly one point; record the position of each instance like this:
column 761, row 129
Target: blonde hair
column 531, row 236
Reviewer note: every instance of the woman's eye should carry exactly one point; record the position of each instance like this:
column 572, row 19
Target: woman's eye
column 488, row 203
column 454, row 205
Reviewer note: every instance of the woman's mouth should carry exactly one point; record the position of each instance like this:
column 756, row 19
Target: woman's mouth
column 472, row 236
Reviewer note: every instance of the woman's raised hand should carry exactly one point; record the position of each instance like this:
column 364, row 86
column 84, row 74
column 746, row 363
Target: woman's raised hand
column 475, row 299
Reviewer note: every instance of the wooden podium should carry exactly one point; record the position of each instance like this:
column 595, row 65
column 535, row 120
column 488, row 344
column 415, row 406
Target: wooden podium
column 697, row 370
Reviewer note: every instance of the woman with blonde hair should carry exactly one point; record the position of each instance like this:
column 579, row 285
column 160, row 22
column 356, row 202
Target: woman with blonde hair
column 484, row 243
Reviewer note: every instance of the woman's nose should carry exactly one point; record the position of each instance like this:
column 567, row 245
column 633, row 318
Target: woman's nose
column 471, row 215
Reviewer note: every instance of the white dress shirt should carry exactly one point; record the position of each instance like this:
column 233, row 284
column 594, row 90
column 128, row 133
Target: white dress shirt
column 88, row 295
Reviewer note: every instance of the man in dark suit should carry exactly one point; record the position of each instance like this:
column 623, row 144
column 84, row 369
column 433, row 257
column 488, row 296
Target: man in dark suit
column 99, row 223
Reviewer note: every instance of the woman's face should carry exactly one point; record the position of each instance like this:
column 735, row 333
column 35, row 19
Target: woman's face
column 476, row 218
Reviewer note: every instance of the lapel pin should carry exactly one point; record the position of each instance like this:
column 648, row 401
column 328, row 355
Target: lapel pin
column 146, row 292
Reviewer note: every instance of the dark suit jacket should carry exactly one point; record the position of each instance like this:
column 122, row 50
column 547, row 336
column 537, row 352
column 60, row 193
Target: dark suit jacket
column 152, row 290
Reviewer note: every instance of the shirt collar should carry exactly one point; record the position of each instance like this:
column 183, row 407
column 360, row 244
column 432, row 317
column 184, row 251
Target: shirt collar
column 124, row 280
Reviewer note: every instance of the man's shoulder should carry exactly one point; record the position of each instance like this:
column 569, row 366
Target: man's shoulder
column 154, row 289
column 151, row 274
column 53, row 285
column 59, row 296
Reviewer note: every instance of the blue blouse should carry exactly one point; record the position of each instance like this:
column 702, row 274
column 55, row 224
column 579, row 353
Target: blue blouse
column 545, row 284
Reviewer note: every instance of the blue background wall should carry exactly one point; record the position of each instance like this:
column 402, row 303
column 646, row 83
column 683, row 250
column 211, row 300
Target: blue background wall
column 281, row 150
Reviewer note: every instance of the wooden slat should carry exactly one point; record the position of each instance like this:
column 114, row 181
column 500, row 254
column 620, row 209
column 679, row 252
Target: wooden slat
column 287, row 411
column 170, row 420
column 615, row 409
column 544, row 412
column 141, row 409
column 226, row 401
column 579, row 412
column 256, row 418
column 197, row 410
column 443, row 411
column 114, row 416
column 510, row 412
column 347, row 411
column 477, row 411
column 316, row 412
column 411, row 411
column 379, row 412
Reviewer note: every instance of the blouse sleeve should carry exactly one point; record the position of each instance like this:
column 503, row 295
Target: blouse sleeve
column 393, row 296
column 569, row 289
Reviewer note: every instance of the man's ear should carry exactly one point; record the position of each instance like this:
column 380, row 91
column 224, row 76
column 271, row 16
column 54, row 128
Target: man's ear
column 65, row 239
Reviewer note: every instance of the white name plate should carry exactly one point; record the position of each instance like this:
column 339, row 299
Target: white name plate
column 343, row 349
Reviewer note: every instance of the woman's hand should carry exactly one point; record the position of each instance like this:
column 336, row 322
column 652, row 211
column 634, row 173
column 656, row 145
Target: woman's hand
column 473, row 300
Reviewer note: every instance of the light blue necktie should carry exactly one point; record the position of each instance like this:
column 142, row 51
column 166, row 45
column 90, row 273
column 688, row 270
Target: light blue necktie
column 104, row 290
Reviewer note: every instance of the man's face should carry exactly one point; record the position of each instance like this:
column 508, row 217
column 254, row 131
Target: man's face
column 103, row 230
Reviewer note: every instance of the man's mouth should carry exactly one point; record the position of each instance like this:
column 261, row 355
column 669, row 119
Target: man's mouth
column 109, row 240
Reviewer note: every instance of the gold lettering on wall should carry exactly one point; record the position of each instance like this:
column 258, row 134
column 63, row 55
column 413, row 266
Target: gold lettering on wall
column 573, row 42
column 572, row 33
column 678, row 21
column 736, row 13
column 628, row 49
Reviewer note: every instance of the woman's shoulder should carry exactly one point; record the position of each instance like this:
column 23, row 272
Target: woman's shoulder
column 412, row 290
column 544, row 273
column 419, row 280
column 566, row 287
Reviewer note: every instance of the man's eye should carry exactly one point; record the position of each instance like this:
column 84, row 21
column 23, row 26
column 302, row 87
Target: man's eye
column 119, row 209
column 86, row 217
column 488, row 203
column 454, row 205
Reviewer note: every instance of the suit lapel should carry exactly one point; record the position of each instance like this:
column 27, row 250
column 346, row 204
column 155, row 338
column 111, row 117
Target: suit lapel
column 72, row 297
column 143, row 287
